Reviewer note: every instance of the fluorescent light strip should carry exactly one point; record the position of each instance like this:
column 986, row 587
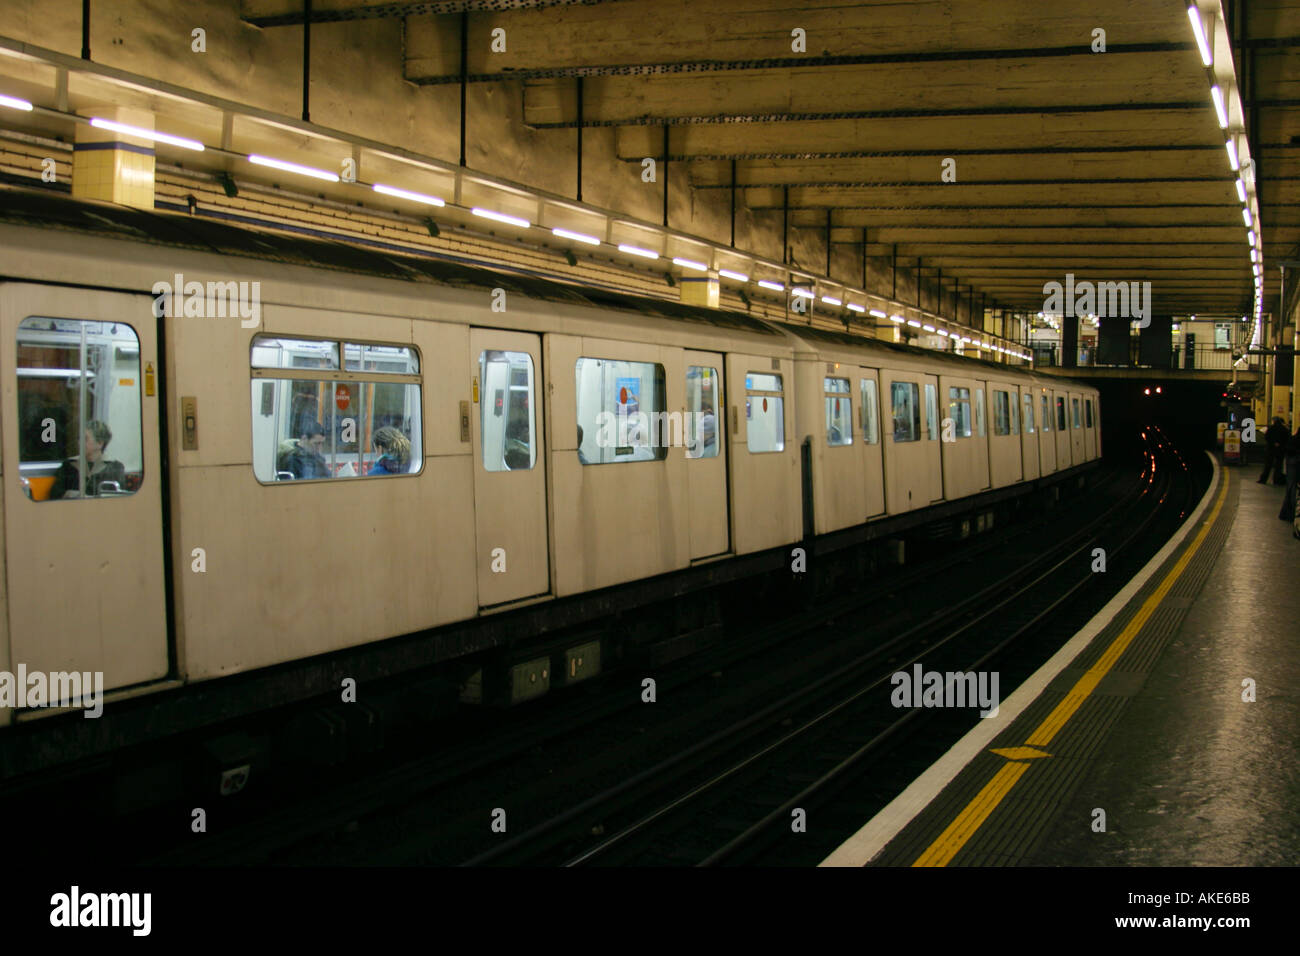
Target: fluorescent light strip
column 857, row 308
column 831, row 300
column 638, row 251
column 690, row 264
column 407, row 194
column 1231, row 147
column 1198, row 28
column 500, row 217
column 1253, row 255
column 801, row 293
column 1241, row 190
column 292, row 168
column 737, row 276
column 928, row 328
column 149, row 134
column 576, row 236
column 1250, row 236
column 14, row 103
column 878, row 314
column 913, row 323
column 896, row 318
column 774, row 286
column 1245, row 214
column 1222, row 111
column 943, row 332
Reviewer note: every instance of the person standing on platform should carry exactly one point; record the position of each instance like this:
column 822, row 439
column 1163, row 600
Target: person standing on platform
column 1292, row 477
column 1275, row 441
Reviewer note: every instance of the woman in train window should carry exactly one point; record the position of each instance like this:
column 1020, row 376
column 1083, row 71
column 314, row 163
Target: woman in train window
column 394, row 452
column 103, row 474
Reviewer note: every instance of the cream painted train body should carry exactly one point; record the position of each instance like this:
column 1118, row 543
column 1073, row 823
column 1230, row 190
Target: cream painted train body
column 217, row 552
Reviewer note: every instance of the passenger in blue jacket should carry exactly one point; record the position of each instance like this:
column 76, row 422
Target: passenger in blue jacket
column 394, row 452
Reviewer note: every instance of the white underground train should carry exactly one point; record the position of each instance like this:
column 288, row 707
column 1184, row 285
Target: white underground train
column 266, row 521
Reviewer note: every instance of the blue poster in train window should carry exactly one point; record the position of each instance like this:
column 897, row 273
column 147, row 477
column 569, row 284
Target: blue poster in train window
column 627, row 394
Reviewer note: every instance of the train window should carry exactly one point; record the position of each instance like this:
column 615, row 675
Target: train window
column 1074, row 403
column 839, row 411
column 907, row 411
column 1015, row 415
column 1047, row 415
column 1088, row 407
column 507, row 422
column 701, row 411
column 959, row 411
column 764, row 413
column 870, row 413
column 621, row 412
column 932, row 411
column 1029, row 414
column 1060, row 414
column 1001, row 413
column 979, row 411
column 312, row 419
column 78, row 409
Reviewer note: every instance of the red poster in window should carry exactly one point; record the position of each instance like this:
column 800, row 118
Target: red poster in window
column 342, row 397
column 765, row 404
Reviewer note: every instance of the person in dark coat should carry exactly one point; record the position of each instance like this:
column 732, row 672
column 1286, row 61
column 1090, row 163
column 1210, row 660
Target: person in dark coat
column 1275, row 440
column 103, row 475
column 1292, row 477
column 303, row 458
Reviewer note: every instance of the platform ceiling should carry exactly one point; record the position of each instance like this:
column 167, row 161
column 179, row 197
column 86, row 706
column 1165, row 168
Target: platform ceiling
column 1110, row 166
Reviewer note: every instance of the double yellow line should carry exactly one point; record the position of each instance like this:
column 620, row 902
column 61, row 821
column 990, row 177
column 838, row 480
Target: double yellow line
column 943, row 849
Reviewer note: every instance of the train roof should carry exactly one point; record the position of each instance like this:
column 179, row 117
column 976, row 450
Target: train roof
column 52, row 208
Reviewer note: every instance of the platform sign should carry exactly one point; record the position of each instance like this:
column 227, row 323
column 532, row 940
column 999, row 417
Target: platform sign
column 1232, row 446
column 1223, row 427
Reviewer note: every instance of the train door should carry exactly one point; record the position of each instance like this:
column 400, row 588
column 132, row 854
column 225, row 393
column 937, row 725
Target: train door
column 933, row 459
column 1090, row 424
column 1046, row 430
column 706, row 453
column 1061, row 423
column 1028, row 433
column 907, row 486
column 765, row 461
column 83, row 473
column 869, row 419
column 1075, row 411
column 509, row 475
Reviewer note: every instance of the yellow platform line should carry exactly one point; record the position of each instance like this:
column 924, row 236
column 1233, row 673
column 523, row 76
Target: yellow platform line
column 963, row 827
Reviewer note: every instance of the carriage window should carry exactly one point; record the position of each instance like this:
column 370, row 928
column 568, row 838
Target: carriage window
column 1001, row 413
column 1088, row 407
column 1074, row 403
column 701, row 411
column 621, row 412
column 1015, row 415
column 79, row 430
column 979, row 411
column 932, row 411
column 1047, row 415
column 870, row 413
column 959, row 411
column 312, row 419
column 839, row 411
column 506, row 419
column 1029, row 414
column 1060, row 414
column 906, row 403
column 764, row 413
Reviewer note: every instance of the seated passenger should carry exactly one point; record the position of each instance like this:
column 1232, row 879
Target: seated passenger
column 708, row 427
column 394, row 452
column 582, row 459
column 302, row 457
column 517, row 454
column 100, row 470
